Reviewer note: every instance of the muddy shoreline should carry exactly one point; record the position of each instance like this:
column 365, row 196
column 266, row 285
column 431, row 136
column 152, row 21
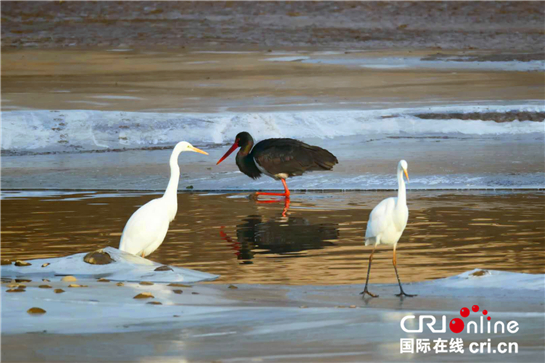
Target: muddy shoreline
column 192, row 81
column 506, row 26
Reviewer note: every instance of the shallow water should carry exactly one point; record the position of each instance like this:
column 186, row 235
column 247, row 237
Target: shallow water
column 319, row 242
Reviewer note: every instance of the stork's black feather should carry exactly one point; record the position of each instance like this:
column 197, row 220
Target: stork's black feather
column 290, row 157
column 247, row 165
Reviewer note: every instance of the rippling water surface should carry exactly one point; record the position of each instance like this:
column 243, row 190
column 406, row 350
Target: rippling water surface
column 320, row 241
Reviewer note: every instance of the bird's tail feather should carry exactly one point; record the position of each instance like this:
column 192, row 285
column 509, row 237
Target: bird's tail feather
column 323, row 158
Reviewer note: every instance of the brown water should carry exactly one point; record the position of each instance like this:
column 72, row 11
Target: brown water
column 320, row 241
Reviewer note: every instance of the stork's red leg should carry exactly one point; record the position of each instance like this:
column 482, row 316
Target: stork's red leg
column 285, row 194
column 286, row 206
column 286, row 190
column 234, row 244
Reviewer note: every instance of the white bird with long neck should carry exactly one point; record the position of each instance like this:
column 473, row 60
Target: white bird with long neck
column 387, row 223
column 148, row 226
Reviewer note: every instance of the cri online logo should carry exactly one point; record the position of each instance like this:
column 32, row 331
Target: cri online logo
column 457, row 325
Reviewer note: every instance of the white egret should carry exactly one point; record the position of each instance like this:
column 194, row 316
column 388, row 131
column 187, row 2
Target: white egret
column 387, row 223
column 148, row 226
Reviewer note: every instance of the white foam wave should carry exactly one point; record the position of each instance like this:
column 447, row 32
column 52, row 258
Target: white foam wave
column 94, row 130
column 418, row 63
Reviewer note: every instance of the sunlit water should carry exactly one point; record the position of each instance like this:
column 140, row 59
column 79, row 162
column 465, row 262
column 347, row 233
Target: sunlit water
column 320, row 241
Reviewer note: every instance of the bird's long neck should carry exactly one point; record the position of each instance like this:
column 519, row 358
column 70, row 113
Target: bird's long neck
column 172, row 188
column 246, row 164
column 245, row 161
column 401, row 193
column 246, row 148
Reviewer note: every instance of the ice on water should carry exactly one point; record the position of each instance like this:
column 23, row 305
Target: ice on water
column 107, row 308
column 127, row 267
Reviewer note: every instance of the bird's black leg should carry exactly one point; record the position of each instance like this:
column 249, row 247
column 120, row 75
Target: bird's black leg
column 402, row 293
column 365, row 291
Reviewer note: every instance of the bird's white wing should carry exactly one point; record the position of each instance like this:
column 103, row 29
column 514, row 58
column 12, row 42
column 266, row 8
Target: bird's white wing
column 379, row 219
column 144, row 227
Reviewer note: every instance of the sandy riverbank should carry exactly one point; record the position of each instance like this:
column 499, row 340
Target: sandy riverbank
column 159, row 80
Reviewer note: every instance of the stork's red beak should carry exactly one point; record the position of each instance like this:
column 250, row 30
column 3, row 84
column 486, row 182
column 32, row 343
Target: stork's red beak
column 233, row 148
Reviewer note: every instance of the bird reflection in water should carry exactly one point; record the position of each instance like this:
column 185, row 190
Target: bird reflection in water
column 282, row 235
column 286, row 203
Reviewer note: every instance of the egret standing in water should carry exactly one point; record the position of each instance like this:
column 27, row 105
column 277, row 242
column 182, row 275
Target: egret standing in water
column 148, row 226
column 387, row 223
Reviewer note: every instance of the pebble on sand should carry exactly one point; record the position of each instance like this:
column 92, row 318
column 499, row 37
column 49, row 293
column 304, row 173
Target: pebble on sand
column 17, row 286
column 76, row 285
column 45, row 286
column 120, row 284
column 164, row 268
column 103, row 280
column 480, row 273
column 59, row 291
column 36, row 311
column 146, row 283
column 177, row 291
column 69, row 279
column 98, row 257
column 22, row 263
column 232, row 287
column 175, row 284
column 16, row 290
column 155, row 303
column 46, row 264
column 144, row 295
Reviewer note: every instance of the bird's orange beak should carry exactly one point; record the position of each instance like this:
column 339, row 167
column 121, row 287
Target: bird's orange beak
column 406, row 174
column 235, row 145
column 193, row 148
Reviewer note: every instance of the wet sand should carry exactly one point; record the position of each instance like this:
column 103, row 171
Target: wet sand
column 498, row 25
column 319, row 242
column 159, row 80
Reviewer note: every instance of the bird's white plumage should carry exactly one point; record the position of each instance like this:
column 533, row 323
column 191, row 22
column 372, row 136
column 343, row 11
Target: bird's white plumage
column 148, row 226
column 388, row 219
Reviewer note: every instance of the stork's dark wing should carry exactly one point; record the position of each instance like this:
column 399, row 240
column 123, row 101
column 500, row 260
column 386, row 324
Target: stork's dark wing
column 291, row 157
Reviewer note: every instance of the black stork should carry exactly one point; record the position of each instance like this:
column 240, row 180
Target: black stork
column 278, row 158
